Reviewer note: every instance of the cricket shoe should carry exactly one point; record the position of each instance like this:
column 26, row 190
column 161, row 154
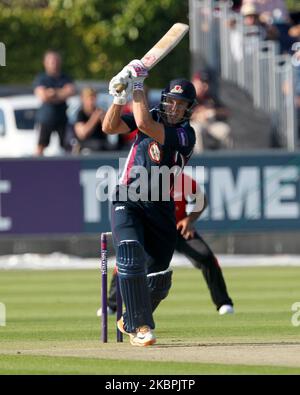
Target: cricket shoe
column 143, row 337
column 110, row 311
column 121, row 327
column 226, row 309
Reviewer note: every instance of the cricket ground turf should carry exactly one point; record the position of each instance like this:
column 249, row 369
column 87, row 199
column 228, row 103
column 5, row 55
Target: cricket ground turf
column 52, row 328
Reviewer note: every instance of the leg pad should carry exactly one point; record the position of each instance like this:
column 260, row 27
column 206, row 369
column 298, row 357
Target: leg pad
column 133, row 284
column 159, row 285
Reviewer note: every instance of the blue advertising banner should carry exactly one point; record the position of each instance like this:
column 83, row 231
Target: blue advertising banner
column 251, row 192
column 246, row 192
column 40, row 197
column 96, row 208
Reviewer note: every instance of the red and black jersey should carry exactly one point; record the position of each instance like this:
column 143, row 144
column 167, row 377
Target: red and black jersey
column 184, row 187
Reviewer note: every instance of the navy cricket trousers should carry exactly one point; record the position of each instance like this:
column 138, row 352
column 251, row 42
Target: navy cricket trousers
column 150, row 223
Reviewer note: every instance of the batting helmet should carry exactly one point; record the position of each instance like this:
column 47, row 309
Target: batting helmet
column 179, row 89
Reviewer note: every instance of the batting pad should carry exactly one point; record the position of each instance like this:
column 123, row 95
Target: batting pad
column 159, row 284
column 133, row 285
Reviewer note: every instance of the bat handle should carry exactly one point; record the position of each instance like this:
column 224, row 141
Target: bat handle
column 121, row 87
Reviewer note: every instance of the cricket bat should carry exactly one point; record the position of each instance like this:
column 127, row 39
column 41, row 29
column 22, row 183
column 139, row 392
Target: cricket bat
column 162, row 48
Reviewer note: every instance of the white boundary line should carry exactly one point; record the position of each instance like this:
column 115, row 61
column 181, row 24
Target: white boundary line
column 58, row 261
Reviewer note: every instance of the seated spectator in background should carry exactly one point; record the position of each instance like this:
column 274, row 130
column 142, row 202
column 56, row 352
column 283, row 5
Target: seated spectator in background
column 88, row 125
column 252, row 18
column 53, row 88
column 244, row 42
column 250, row 15
column 274, row 18
column 268, row 10
column 209, row 118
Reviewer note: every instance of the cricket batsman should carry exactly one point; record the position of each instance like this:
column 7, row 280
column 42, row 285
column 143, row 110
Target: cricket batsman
column 144, row 230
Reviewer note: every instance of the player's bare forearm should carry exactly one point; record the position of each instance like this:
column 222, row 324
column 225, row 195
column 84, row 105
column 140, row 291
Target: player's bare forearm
column 186, row 225
column 112, row 122
column 141, row 110
column 143, row 118
column 194, row 215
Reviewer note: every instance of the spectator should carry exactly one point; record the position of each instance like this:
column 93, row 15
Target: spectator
column 53, row 88
column 274, row 18
column 88, row 125
column 269, row 10
column 252, row 18
column 209, row 118
column 250, row 14
column 242, row 43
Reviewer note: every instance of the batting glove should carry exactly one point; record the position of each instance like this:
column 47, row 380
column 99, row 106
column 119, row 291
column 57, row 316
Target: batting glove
column 120, row 79
column 120, row 98
column 138, row 74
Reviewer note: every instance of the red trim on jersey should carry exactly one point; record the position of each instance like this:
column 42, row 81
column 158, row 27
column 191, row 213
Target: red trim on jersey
column 130, row 164
column 129, row 137
column 180, row 194
column 217, row 262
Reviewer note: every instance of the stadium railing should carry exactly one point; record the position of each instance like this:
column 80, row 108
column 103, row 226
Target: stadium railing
column 240, row 54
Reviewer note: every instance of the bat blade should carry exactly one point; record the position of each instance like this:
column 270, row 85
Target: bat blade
column 165, row 45
column 162, row 48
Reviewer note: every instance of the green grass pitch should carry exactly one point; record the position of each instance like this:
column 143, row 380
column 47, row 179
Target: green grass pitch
column 52, row 326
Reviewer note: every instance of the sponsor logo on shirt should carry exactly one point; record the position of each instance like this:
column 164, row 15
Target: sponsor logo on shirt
column 182, row 136
column 154, row 152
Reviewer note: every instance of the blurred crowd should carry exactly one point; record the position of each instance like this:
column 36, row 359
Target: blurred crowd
column 263, row 19
column 210, row 117
column 84, row 135
column 271, row 20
